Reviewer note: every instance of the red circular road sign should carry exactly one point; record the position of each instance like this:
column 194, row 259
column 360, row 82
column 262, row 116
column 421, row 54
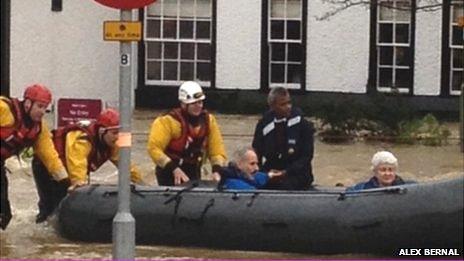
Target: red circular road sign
column 125, row 4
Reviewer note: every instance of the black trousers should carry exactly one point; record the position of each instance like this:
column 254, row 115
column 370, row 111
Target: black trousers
column 166, row 178
column 50, row 191
column 5, row 208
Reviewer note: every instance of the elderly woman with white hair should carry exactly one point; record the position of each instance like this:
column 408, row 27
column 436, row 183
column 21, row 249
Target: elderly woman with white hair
column 384, row 167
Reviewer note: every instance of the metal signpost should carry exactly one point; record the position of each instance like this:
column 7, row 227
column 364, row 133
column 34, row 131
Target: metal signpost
column 123, row 222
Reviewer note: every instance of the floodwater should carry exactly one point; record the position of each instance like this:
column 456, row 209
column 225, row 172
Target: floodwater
column 342, row 163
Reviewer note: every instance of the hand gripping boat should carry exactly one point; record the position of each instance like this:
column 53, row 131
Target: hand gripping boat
column 322, row 220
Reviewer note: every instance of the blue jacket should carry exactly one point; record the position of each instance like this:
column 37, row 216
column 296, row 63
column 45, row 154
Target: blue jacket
column 233, row 178
column 373, row 183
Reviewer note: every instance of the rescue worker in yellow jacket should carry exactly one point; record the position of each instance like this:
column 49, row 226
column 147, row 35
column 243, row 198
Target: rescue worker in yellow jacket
column 180, row 141
column 21, row 127
column 83, row 148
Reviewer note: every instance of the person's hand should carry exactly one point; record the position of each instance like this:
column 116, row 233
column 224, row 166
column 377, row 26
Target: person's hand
column 276, row 175
column 216, row 176
column 179, row 176
column 75, row 184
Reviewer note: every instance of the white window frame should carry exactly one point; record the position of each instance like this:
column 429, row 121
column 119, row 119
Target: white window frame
column 271, row 41
column 453, row 47
column 177, row 40
column 394, row 44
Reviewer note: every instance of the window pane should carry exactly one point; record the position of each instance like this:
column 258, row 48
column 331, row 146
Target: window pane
column 203, row 31
column 457, row 35
column 385, row 33
column 154, row 71
column 277, row 8
column 170, row 8
column 293, row 30
column 169, row 28
column 186, row 71
column 186, row 29
column 204, row 8
column 187, row 51
column 295, row 53
column 403, row 11
column 402, row 78
column 293, row 8
column 203, row 71
column 277, row 73
column 277, row 29
column 456, row 80
column 277, row 52
column 385, row 13
column 294, row 73
column 187, row 8
column 153, row 50
column 170, row 50
column 458, row 11
column 385, row 77
column 170, row 71
column 385, row 55
column 154, row 9
column 203, row 52
column 403, row 56
column 402, row 33
column 458, row 57
column 153, row 28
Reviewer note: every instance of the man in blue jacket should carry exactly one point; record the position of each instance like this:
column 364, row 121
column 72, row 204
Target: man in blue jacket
column 283, row 141
column 242, row 172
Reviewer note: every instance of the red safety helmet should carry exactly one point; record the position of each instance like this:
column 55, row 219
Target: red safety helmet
column 108, row 119
column 38, row 92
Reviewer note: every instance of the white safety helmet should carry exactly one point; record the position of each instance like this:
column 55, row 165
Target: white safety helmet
column 384, row 157
column 190, row 92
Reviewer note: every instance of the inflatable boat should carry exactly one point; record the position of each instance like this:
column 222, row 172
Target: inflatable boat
column 321, row 220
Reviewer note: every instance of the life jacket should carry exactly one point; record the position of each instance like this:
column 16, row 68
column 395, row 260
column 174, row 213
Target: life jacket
column 99, row 154
column 192, row 143
column 20, row 135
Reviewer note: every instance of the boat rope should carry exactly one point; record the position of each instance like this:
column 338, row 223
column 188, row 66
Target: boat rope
column 199, row 221
column 394, row 190
column 252, row 199
column 179, row 193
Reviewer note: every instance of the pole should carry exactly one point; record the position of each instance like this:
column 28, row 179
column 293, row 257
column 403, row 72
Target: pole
column 123, row 222
column 461, row 117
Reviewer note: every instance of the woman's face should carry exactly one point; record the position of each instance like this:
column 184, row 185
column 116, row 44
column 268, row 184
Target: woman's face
column 385, row 174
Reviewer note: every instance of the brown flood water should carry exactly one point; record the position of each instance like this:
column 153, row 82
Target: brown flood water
column 345, row 163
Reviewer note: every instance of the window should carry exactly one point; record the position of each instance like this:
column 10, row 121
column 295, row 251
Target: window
column 178, row 42
column 394, row 50
column 456, row 48
column 285, row 43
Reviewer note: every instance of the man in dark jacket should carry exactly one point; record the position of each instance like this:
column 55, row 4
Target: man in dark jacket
column 283, row 141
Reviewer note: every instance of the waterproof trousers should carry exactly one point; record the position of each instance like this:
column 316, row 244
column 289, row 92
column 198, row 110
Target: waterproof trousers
column 50, row 191
column 5, row 208
column 166, row 178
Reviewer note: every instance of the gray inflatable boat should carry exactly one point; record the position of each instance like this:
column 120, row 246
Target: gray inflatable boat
column 322, row 220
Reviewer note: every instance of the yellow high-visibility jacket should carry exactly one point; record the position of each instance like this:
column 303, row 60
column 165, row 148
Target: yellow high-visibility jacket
column 77, row 152
column 166, row 128
column 43, row 146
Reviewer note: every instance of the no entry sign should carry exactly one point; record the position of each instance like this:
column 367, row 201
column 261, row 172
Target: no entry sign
column 125, row 4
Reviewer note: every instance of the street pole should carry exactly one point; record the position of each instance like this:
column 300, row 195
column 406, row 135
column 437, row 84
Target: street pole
column 461, row 118
column 124, row 222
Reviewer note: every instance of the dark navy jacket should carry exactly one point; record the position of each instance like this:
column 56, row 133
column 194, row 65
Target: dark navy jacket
column 373, row 183
column 233, row 178
column 295, row 157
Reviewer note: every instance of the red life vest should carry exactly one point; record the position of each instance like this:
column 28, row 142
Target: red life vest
column 192, row 143
column 18, row 136
column 98, row 155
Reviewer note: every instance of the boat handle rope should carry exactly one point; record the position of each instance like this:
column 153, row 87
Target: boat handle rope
column 344, row 194
column 200, row 220
column 179, row 193
column 252, row 199
column 133, row 190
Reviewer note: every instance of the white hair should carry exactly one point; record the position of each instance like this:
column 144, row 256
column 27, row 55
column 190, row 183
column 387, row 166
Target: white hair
column 384, row 157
